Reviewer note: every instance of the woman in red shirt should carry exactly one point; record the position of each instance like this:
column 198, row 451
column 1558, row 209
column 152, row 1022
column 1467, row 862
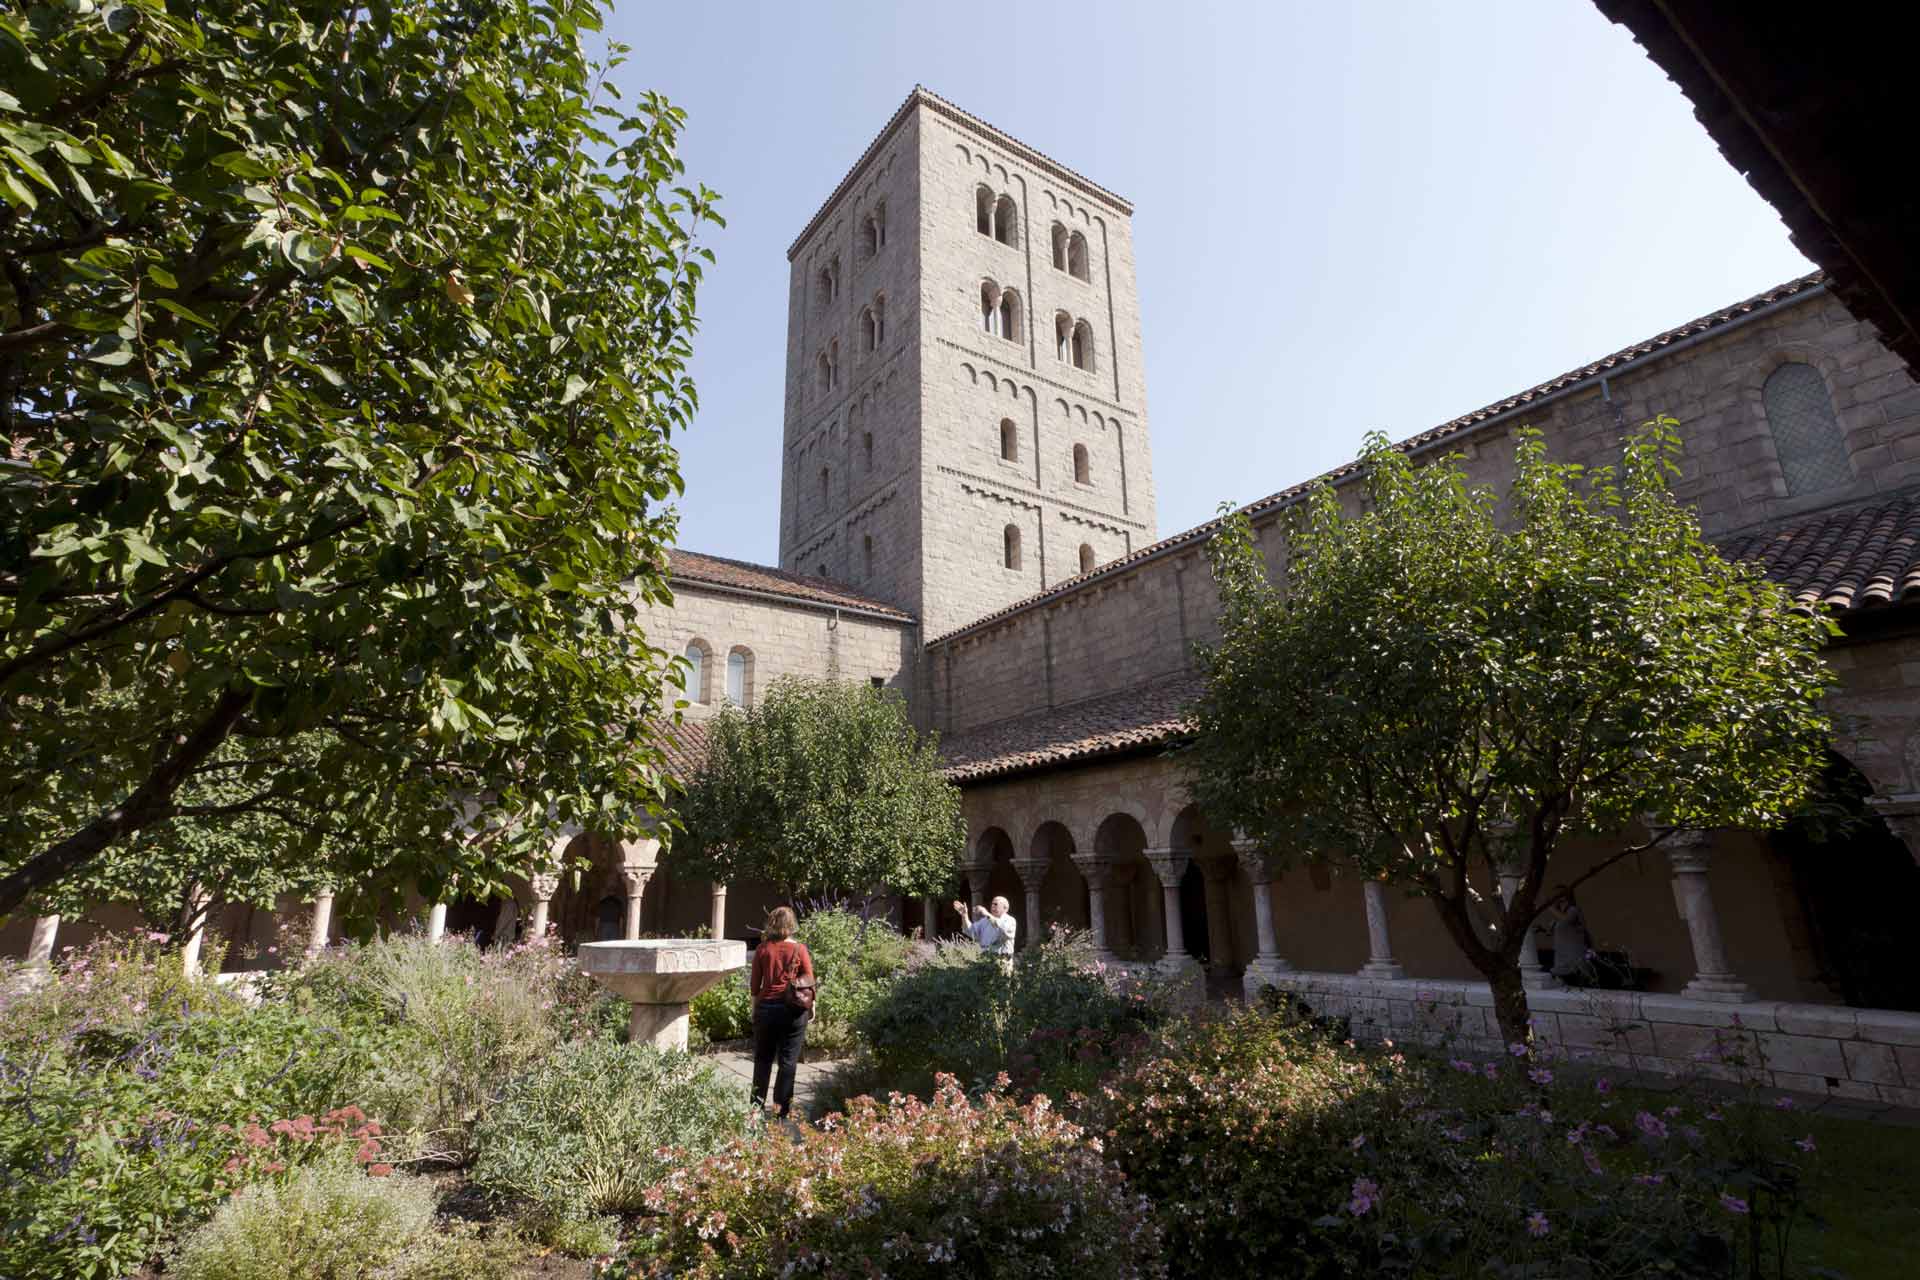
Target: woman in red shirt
column 779, row 1025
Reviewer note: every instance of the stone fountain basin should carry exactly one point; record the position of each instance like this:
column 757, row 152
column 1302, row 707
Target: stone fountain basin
column 659, row 977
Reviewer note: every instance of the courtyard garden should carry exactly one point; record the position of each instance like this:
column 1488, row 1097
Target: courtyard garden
column 415, row 1108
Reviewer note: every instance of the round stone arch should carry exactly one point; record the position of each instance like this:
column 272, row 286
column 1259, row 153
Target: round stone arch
column 1063, row 887
column 1120, row 843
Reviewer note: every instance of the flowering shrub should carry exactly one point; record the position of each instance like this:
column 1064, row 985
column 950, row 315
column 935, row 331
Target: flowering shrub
column 587, row 1129
column 327, row 1222
column 856, row 963
column 1053, row 1019
column 904, row 1189
column 1266, row 1145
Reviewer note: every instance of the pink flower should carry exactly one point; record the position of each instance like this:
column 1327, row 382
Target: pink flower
column 1358, row 1143
column 1537, row 1224
column 1366, row 1194
column 1493, row 1071
column 1805, row 1144
column 156, row 937
column 1603, row 1085
column 1732, row 1204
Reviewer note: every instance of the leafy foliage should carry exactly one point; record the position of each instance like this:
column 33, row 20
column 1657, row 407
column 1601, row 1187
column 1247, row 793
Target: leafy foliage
column 856, row 961
column 330, row 1222
column 585, row 1130
column 908, row 1189
column 823, row 785
column 1440, row 689
column 340, row 352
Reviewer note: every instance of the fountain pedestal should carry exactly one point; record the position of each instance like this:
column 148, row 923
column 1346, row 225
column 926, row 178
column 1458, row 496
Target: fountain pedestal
column 660, row 977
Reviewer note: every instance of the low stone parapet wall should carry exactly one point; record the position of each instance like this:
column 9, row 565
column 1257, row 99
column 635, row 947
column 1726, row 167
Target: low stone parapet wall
column 1869, row 1055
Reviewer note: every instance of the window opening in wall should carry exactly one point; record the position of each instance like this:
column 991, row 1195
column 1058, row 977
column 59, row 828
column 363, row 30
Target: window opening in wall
column 1077, row 257
column 1010, row 316
column 1059, row 247
column 1010, row 537
column 866, row 556
column 1082, row 465
column 1062, row 335
column 739, row 676
column 983, row 208
column 822, row 572
column 873, row 231
column 694, row 682
column 1086, row 558
column 825, row 374
column 1806, row 433
column 866, row 447
column 989, row 308
column 829, row 282
column 1005, row 220
column 833, row 364
column 825, row 486
column 1009, row 440
column 878, row 682
column 870, row 328
column 1082, row 345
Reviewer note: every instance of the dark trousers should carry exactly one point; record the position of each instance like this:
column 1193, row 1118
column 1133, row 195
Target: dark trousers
column 779, row 1031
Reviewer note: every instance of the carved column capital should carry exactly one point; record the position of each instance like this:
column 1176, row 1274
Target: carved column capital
column 544, row 884
column 1261, row 865
column 634, row 879
column 1169, row 865
column 1689, row 849
column 1031, row 871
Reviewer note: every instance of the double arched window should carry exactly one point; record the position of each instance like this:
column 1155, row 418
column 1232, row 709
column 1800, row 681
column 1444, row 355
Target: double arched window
column 1009, row 440
column 1073, row 341
column 827, row 283
column 996, row 215
column 693, row 681
column 1000, row 312
column 873, row 231
column 1082, row 465
column 873, row 322
column 827, row 367
column 1010, row 546
column 1806, row 432
column 1070, row 253
column 740, row 676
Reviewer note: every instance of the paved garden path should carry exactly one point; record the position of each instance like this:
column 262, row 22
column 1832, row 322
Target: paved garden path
column 738, row 1063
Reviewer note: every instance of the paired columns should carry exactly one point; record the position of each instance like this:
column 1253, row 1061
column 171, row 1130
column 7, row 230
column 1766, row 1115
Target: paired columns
column 1713, row 978
column 1094, row 868
column 1169, row 868
column 1263, row 872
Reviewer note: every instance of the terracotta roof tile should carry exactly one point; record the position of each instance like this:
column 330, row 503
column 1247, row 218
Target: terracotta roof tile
column 1459, row 426
column 691, row 566
column 685, row 745
column 1126, row 720
column 1863, row 557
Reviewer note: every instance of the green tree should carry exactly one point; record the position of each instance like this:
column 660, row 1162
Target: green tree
column 340, row 351
column 824, row 786
column 1439, row 690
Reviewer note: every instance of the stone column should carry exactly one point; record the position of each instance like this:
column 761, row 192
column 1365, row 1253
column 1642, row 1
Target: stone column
column 1169, row 867
column 1901, row 813
column 198, row 905
column 977, row 874
column 544, row 885
column 1263, row 871
column 1032, row 872
column 320, row 926
column 717, row 921
column 1095, row 871
column 436, row 921
column 1688, row 852
column 1532, row 974
column 930, row 919
column 633, row 880
column 40, row 945
column 1380, row 962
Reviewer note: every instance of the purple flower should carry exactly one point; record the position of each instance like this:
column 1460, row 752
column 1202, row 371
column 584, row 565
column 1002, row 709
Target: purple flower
column 1603, row 1085
column 1805, row 1144
column 1537, row 1224
column 1358, row 1143
column 1493, row 1071
column 1461, row 1064
column 1592, row 1160
column 1366, row 1194
column 1651, row 1125
column 1783, row 1103
column 1649, row 1179
column 1540, row 1075
column 1732, row 1204
column 1517, row 1050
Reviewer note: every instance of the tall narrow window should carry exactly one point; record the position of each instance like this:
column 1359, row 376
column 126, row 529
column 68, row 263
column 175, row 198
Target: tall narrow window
column 823, row 571
column 825, row 374
column 825, row 486
column 833, row 364
column 866, row 447
column 740, row 676
column 983, row 208
column 1059, row 247
column 1806, row 434
column 693, row 682
column 1006, row 219
column 989, row 308
column 1082, row 345
column 1009, row 440
column 1077, row 257
column 866, row 556
column 1010, row 316
column 1086, row 558
column 1082, row 465
column 879, row 224
column 1010, row 538
column 1062, row 336
column 879, row 322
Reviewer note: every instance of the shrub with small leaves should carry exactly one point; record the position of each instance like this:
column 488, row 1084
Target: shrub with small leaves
column 331, row 1221
column 906, row 1189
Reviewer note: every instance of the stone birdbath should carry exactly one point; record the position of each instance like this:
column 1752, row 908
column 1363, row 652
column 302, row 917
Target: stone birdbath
column 660, row 977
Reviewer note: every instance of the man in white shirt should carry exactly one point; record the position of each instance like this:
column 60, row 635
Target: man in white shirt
column 993, row 926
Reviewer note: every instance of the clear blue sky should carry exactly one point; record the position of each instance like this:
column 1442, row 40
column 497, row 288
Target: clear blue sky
column 1345, row 216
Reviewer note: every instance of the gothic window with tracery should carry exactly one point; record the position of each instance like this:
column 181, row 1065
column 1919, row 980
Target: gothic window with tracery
column 1806, row 432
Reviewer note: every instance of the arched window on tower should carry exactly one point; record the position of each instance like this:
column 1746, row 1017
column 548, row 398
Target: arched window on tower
column 1082, row 465
column 740, row 676
column 824, row 373
column 1059, row 247
column 828, row 285
column 1062, row 336
column 879, row 321
column 983, row 209
column 826, row 486
column 1010, row 315
column 1009, row 440
column 1010, row 540
column 1082, row 345
column 866, row 447
column 1077, row 257
column 1806, row 433
column 1006, row 221
column 693, row 681
column 1086, row 558
column 873, row 231
column 833, row 364
column 866, row 556
column 990, row 307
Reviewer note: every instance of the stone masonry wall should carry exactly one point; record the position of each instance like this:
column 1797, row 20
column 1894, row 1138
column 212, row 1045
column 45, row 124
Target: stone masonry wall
column 1121, row 629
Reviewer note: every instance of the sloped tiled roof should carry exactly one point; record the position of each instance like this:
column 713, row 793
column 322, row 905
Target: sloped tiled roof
column 1446, row 431
column 1126, row 720
column 691, row 566
column 1863, row 557
column 685, row 745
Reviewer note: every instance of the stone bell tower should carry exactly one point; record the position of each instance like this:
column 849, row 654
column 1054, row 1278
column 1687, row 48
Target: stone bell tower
column 966, row 418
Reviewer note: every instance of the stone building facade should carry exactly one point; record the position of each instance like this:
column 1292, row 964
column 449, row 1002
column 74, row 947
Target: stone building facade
column 967, row 515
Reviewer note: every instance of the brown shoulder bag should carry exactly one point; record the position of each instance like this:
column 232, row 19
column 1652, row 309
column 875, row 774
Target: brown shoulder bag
column 800, row 989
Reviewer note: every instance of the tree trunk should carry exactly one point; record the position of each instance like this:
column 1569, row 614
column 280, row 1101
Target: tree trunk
column 1509, row 999
column 150, row 802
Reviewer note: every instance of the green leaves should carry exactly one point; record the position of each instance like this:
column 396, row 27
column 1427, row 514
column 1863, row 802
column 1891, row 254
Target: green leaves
column 269, row 444
column 822, row 786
